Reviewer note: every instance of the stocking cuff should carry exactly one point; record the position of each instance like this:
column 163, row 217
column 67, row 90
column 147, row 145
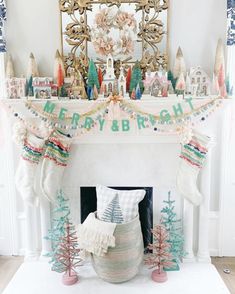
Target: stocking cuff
column 201, row 138
column 58, row 148
column 194, row 152
column 33, row 148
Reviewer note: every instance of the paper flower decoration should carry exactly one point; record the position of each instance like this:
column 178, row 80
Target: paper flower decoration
column 102, row 35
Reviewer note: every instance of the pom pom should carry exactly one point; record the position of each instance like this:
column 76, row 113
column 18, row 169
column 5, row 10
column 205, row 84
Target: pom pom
column 186, row 137
column 44, row 130
column 19, row 133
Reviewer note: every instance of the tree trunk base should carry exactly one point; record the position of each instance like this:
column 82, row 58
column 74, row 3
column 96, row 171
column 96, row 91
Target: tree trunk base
column 69, row 280
column 159, row 277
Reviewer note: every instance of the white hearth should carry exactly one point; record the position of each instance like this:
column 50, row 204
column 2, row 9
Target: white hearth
column 193, row 278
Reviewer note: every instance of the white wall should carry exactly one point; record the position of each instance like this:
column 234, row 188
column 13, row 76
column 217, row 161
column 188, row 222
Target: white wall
column 196, row 27
column 34, row 26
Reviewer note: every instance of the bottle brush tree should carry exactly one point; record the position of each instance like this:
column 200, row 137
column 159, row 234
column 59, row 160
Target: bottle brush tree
column 160, row 257
column 67, row 256
column 60, row 216
column 93, row 76
column 136, row 78
column 175, row 232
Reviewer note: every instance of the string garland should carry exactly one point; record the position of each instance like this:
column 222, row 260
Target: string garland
column 175, row 125
column 53, row 116
column 131, row 108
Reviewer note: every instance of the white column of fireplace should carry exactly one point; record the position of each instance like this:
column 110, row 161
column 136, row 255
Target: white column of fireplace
column 188, row 224
column 203, row 254
column 45, row 214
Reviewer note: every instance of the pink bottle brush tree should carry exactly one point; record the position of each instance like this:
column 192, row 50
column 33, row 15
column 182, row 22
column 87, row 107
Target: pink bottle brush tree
column 221, row 82
column 160, row 256
column 67, row 256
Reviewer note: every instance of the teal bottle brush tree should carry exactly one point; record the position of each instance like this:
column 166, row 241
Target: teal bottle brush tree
column 64, row 242
column 175, row 232
column 93, row 80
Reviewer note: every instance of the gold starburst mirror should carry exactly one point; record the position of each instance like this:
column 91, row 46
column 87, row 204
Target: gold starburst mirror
column 127, row 30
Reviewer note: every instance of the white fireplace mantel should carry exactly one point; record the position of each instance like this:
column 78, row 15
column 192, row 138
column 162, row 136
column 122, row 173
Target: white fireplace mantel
column 37, row 220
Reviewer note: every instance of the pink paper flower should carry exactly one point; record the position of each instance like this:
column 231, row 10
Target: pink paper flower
column 126, row 19
column 103, row 46
column 127, row 45
column 101, row 19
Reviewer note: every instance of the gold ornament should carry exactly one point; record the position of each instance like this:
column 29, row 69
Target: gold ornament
column 151, row 31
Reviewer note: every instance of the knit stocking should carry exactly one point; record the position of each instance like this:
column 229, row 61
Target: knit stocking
column 30, row 156
column 54, row 162
column 193, row 155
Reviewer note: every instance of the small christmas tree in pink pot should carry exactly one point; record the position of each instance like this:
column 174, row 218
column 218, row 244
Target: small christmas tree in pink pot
column 160, row 257
column 67, row 256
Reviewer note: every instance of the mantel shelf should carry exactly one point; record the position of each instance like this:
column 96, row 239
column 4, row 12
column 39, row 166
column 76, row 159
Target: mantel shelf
column 145, row 100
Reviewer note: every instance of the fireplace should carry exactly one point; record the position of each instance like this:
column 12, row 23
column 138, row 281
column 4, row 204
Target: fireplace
column 135, row 159
column 88, row 204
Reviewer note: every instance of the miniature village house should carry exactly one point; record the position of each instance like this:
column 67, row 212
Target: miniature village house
column 15, row 87
column 122, row 83
column 198, row 83
column 42, row 87
column 109, row 77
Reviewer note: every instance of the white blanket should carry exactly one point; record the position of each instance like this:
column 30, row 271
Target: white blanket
column 96, row 236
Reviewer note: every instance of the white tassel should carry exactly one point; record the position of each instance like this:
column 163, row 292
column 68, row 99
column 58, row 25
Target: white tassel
column 32, row 67
column 10, row 73
column 179, row 66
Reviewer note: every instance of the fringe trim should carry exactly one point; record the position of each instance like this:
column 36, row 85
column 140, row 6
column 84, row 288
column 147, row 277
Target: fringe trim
column 94, row 242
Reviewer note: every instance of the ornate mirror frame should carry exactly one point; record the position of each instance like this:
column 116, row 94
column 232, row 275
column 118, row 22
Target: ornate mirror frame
column 151, row 33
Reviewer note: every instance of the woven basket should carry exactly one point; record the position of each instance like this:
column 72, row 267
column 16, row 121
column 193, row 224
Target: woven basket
column 122, row 263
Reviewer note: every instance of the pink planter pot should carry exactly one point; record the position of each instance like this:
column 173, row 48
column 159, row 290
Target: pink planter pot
column 69, row 280
column 159, row 277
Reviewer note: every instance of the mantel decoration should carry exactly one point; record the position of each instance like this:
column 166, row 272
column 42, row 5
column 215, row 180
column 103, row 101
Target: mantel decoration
column 117, row 114
column 102, row 35
column 78, row 33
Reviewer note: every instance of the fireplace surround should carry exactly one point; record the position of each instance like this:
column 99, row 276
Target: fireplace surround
column 137, row 159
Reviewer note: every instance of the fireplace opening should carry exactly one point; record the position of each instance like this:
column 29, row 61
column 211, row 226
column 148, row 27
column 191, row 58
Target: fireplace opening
column 89, row 201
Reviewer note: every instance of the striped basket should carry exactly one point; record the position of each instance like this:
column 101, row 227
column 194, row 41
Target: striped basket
column 122, row 263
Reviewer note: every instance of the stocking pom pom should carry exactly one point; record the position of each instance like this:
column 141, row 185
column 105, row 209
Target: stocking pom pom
column 44, row 130
column 19, row 133
column 186, row 136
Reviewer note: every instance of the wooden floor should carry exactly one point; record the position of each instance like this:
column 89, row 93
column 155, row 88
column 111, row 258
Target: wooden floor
column 222, row 263
column 9, row 265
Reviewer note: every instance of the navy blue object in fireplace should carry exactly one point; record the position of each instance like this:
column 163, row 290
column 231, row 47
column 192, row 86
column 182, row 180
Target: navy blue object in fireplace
column 88, row 205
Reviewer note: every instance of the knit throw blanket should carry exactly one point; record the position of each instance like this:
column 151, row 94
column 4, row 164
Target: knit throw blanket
column 96, row 236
